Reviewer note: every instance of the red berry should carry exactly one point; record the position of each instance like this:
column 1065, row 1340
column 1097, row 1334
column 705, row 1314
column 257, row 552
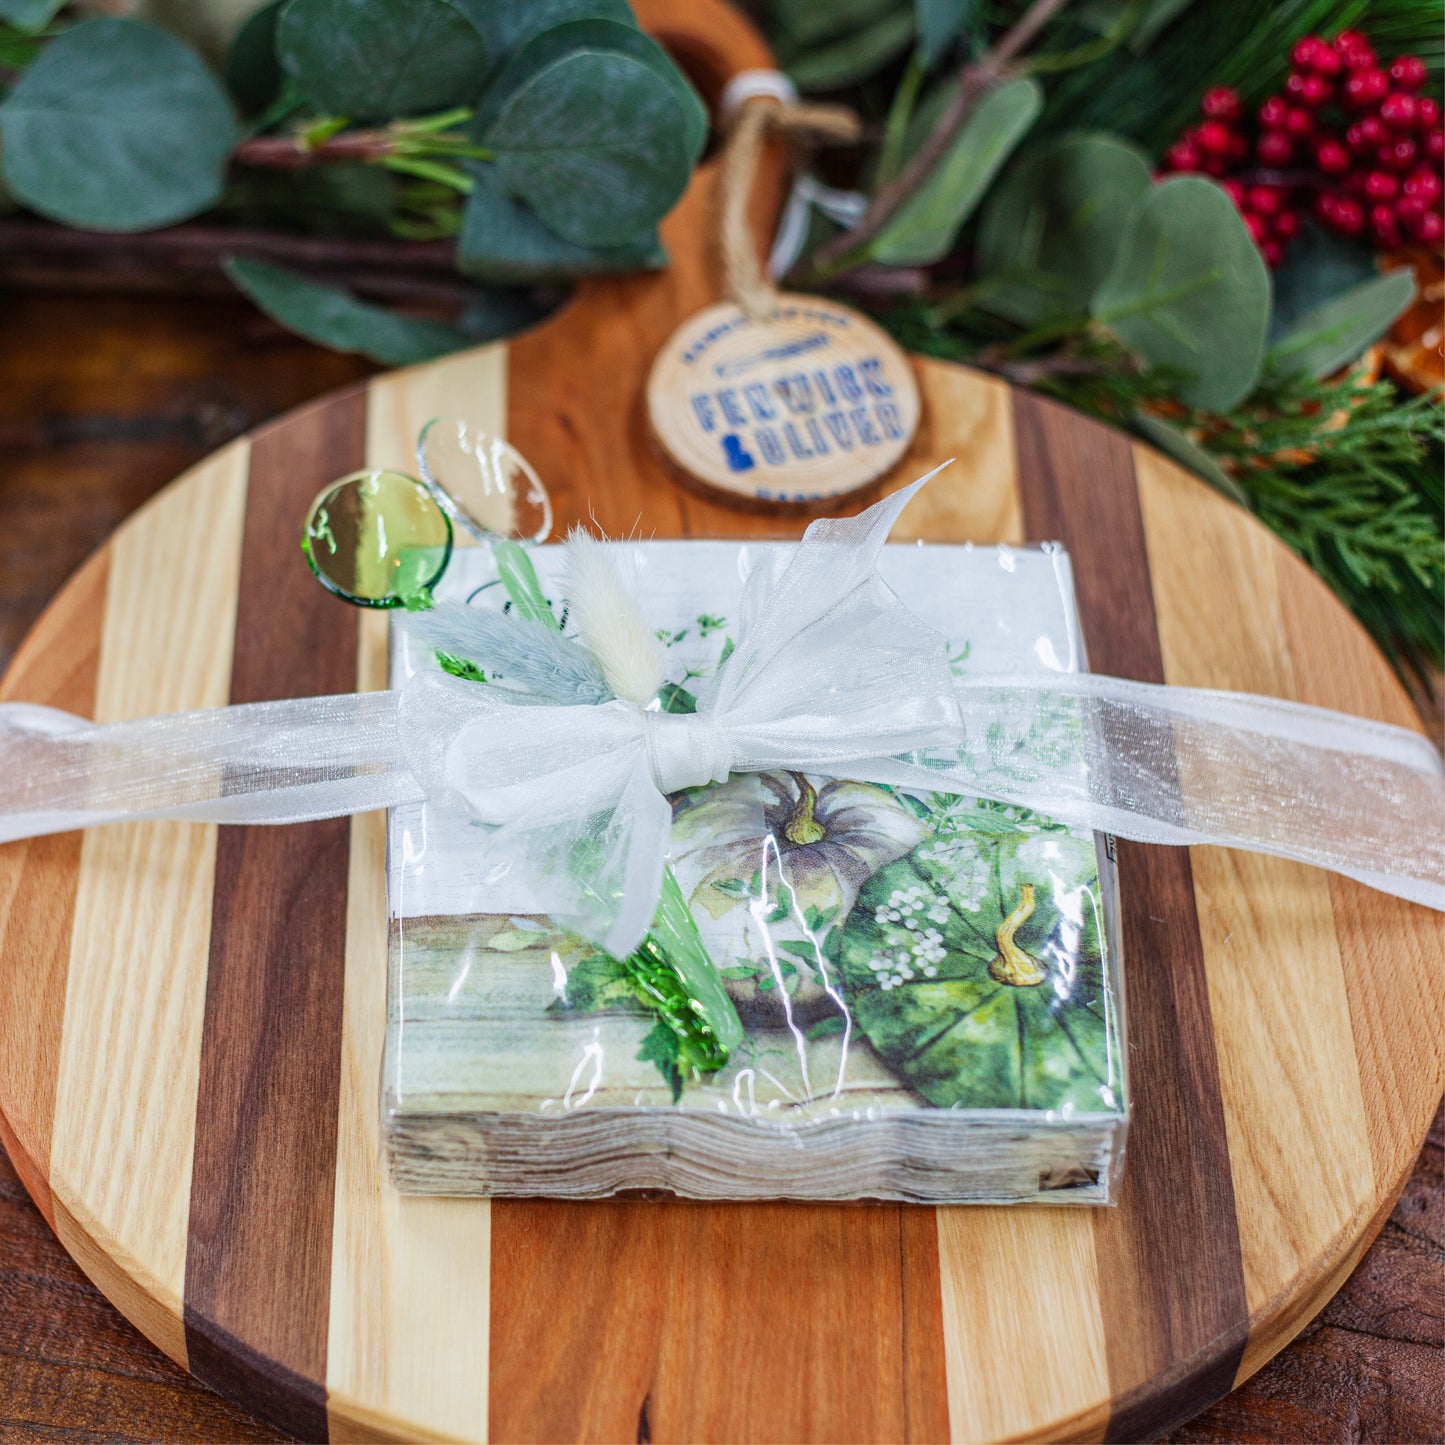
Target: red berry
column 1238, row 145
column 1213, row 137
column 1326, row 62
column 1272, row 252
column 1215, row 165
column 1346, row 216
column 1183, row 155
column 1234, row 190
column 1429, row 229
column 1265, row 200
column 1315, row 91
column 1398, row 155
column 1408, row 210
column 1383, row 227
column 1257, row 227
column 1427, row 112
column 1400, row 111
column 1286, row 225
column 1298, row 121
column 1271, row 113
column 1435, row 144
column 1331, row 157
column 1303, row 55
column 1221, row 103
column 1367, row 133
column 1425, row 184
column 1354, row 50
column 1365, row 89
column 1408, row 71
column 1381, row 185
column 1275, row 148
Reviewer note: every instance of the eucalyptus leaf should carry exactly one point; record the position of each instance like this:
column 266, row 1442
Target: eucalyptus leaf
column 1318, row 267
column 507, row 25
column 1189, row 291
column 117, row 126
column 939, row 24
column 331, row 316
column 595, row 130
column 1181, row 448
column 853, row 57
column 802, row 23
column 1337, row 332
column 502, row 241
column 377, row 59
column 29, row 15
column 253, row 73
column 1049, row 230
column 923, row 229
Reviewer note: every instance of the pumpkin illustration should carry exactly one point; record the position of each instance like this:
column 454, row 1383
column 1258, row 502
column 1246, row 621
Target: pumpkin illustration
column 769, row 863
column 974, row 969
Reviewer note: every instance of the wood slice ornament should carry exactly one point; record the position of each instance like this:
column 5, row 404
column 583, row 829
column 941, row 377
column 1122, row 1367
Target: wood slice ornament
column 810, row 402
column 192, row 1017
column 768, row 396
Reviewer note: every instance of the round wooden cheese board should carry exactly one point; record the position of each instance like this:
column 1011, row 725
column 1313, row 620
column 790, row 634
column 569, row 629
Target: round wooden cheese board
column 191, row 1018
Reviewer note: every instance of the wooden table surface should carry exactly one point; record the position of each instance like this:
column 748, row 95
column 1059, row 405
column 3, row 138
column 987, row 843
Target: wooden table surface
column 104, row 400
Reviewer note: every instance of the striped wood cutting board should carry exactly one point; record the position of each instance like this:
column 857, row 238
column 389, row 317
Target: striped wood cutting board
column 191, row 1019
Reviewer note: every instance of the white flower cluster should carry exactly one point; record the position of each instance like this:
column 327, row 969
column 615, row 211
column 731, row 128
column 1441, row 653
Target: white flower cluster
column 969, row 868
column 921, row 949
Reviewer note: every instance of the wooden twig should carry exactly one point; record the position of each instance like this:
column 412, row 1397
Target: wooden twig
column 42, row 255
column 295, row 152
column 973, row 80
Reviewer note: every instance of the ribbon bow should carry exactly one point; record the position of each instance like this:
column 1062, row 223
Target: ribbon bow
column 833, row 676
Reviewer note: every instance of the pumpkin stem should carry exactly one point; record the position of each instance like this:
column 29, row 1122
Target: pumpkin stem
column 802, row 827
column 1011, row 964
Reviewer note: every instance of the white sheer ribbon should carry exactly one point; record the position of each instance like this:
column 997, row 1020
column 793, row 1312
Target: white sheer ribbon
column 832, row 675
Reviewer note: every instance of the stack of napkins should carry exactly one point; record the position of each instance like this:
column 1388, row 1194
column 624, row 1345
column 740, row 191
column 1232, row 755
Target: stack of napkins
column 929, row 983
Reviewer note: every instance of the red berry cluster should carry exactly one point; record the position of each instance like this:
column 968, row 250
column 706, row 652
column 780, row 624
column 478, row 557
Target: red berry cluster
column 1354, row 142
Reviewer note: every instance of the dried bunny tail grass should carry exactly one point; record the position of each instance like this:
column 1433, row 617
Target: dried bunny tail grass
column 523, row 653
column 610, row 621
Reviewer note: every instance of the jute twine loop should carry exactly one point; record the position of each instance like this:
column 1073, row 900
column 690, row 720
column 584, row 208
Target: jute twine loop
column 752, row 122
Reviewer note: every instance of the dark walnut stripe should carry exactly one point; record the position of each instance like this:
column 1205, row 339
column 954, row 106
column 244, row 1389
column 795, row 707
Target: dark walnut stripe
column 1171, row 1350
column 258, row 1264
column 57, row 665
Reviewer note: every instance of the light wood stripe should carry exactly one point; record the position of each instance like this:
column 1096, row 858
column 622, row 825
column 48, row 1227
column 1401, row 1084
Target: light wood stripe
column 56, row 665
column 1298, row 1147
column 1023, row 1286
column 1398, row 1025
column 968, row 416
column 1170, row 1352
column 136, row 981
column 258, row 1272
column 410, row 1276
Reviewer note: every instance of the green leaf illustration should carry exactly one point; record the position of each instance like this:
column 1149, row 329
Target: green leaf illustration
column 118, row 126
column 595, row 130
column 1049, row 232
column 925, row 226
column 377, row 59
column 920, row 958
column 1326, row 338
column 1189, row 291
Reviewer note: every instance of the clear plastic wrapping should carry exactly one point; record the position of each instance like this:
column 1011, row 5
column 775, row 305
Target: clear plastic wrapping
column 929, row 984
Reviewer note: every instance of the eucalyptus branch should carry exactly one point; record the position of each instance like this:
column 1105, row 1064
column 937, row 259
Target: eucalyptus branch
column 297, row 152
column 974, row 80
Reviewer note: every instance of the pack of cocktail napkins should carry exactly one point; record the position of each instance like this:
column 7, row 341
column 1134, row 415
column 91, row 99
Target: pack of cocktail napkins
column 929, row 984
